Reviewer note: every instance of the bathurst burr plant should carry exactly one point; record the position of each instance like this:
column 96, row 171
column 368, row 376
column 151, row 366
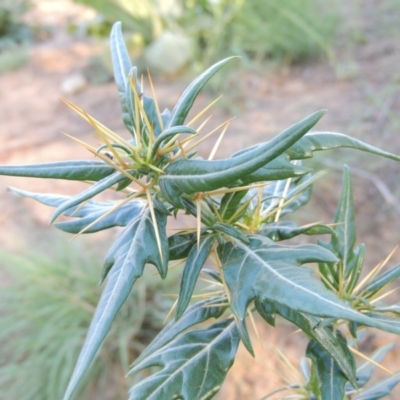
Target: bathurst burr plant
column 242, row 207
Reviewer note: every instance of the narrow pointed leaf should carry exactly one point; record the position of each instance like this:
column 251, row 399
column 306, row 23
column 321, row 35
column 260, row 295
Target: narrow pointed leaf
column 312, row 326
column 345, row 238
column 196, row 314
column 384, row 279
column 185, row 103
column 190, row 176
column 331, row 379
column 364, row 372
column 87, row 194
column 230, row 203
column 284, row 230
column 169, row 133
column 279, row 168
column 120, row 58
column 231, row 231
column 90, row 212
column 356, row 264
column 194, row 365
column 152, row 115
column 194, row 263
column 381, row 389
column 128, row 266
column 318, row 141
column 122, row 66
column 80, row 170
column 127, row 98
column 297, row 195
column 267, row 271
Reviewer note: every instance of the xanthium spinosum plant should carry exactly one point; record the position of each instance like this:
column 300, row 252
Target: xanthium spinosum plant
column 238, row 204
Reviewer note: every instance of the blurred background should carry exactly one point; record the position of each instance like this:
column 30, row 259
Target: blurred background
column 296, row 57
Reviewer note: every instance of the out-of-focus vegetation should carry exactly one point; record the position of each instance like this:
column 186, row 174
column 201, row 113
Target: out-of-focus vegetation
column 172, row 33
column 15, row 35
column 47, row 304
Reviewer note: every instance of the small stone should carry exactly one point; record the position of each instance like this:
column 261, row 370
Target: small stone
column 73, row 84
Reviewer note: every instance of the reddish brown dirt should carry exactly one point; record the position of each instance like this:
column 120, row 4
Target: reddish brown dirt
column 365, row 106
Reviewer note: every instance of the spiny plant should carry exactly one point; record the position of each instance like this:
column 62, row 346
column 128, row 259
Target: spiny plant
column 239, row 205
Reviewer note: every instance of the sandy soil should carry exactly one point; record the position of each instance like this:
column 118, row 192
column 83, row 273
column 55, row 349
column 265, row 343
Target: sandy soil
column 365, row 105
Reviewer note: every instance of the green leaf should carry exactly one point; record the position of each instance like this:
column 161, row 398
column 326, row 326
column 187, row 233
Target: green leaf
column 266, row 310
column 80, row 170
column 128, row 266
column 185, row 103
column 194, row 263
column 283, row 230
column 196, row 314
column 318, row 141
column 364, row 372
column 230, row 231
column 180, row 245
column 380, row 389
column 277, row 169
column 345, row 228
column 127, row 99
column 190, row 176
column 122, row 68
column 372, row 287
column 194, row 365
column 356, row 264
column 312, row 326
column 230, row 203
column 90, row 212
column 168, row 134
column 330, row 377
column 87, row 194
column 152, row 115
column 244, row 335
column 267, row 271
column 298, row 193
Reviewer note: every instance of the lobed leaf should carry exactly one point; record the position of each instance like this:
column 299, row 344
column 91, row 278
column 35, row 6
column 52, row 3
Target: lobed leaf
column 270, row 272
column 196, row 314
column 186, row 177
column 129, row 262
column 79, row 170
column 193, row 366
